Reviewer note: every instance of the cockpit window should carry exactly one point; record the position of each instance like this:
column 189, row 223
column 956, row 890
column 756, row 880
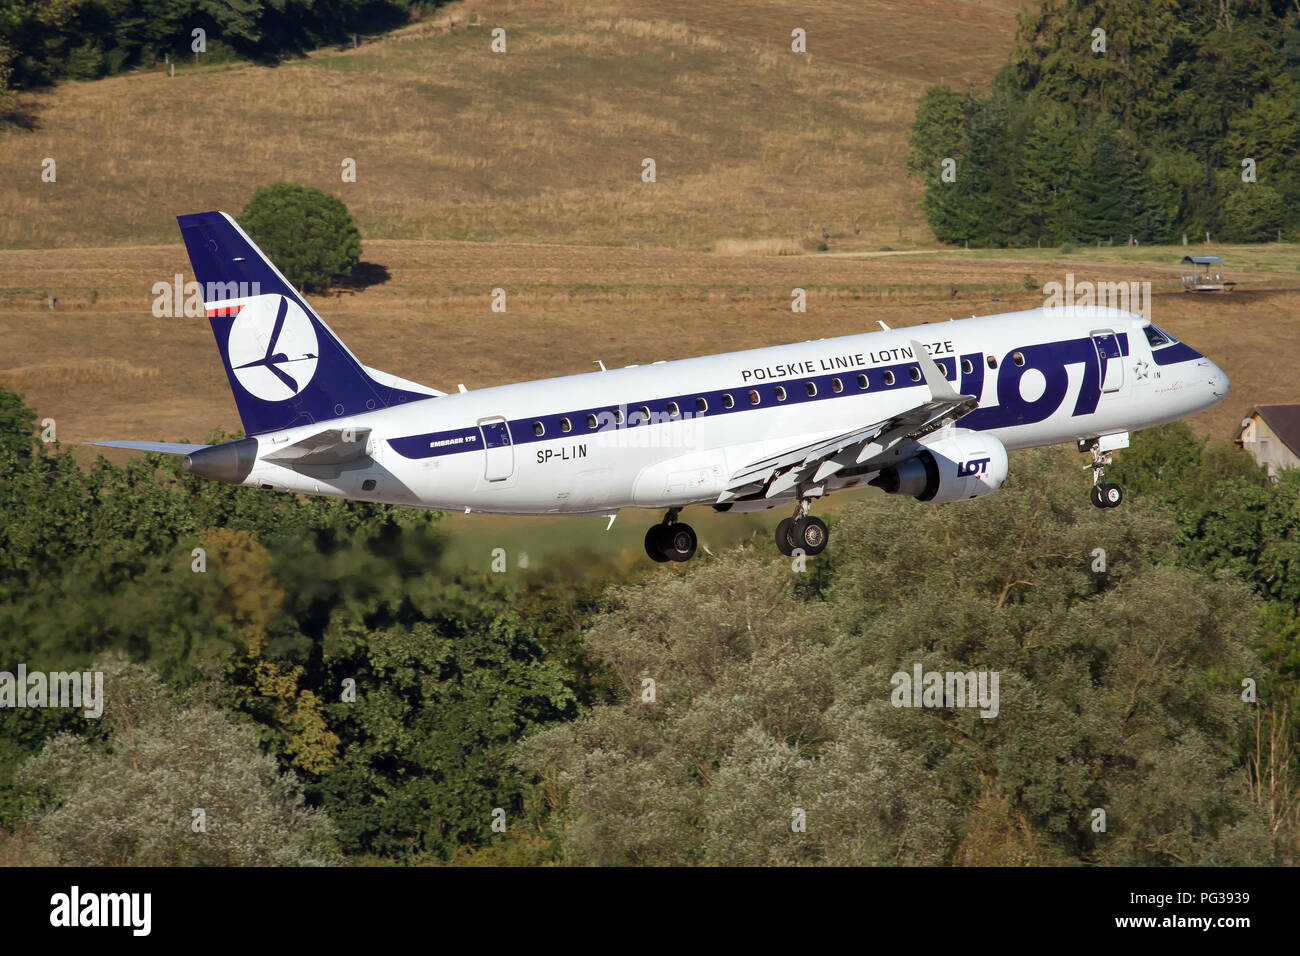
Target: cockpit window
column 1156, row 337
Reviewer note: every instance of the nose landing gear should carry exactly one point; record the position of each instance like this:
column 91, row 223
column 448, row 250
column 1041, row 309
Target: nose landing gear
column 671, row 540
column 802, row 532
column 1104, row 494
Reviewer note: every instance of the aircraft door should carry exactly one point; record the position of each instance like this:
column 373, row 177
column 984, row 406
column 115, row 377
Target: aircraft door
column 498, row 449
column 1112, row 363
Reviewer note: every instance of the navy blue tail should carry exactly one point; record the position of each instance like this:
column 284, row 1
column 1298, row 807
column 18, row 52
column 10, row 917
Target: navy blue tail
column 286, row 368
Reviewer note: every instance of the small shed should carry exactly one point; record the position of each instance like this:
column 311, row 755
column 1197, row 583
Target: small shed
column 1202, row 273
column 1272, row 434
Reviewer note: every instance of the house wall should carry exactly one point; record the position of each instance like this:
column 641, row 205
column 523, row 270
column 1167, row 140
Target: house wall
column 1260, row 440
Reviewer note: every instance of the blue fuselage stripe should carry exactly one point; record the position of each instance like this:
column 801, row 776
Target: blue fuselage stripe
column 1050, row 358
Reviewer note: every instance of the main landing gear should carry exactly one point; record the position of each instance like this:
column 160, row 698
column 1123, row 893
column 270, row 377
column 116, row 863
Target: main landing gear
column 802, row 532
column 670, row 541
column 1104, row 494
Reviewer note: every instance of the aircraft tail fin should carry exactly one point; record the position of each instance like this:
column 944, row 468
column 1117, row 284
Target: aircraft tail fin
column 285, row 366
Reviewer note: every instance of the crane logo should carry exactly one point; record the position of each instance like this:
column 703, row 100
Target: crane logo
column 272, row 348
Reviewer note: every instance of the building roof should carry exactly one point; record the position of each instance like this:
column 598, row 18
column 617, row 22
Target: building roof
column 1201, row 260
column 1283, row 421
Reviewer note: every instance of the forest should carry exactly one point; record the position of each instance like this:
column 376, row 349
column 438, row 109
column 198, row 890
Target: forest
column 43, row 41
column 1116, row 122
column 317, row 689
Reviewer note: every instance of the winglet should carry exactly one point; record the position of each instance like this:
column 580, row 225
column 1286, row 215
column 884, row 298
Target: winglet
column 940, row 389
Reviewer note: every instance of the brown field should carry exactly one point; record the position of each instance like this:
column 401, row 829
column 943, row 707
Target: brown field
column 103, row 366
column 543, row 143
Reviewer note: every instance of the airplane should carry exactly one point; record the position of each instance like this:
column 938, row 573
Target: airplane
column 928, row 411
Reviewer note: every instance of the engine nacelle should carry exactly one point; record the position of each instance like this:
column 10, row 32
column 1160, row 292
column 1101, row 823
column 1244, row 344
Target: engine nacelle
column 951, row 466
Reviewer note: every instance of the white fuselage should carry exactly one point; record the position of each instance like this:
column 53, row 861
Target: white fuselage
column 1042, row 377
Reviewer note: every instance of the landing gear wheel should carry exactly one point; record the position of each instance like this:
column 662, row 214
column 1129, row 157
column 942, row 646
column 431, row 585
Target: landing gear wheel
column 679, row 541
column 784, row 542
column 1112, row 495
column 811, row 534
column 1104, row 494
column 654, row 543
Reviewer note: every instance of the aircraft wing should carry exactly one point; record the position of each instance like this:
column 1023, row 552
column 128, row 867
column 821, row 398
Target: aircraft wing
column 813, row 463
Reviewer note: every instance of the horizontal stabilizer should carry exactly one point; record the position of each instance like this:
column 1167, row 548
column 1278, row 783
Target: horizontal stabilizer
column 166, row 447
column 333, row 446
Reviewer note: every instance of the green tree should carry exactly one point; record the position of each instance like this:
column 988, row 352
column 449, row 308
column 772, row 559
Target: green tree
column 132, row 801
column 1252, row 530
column 84, row 39
column 937, row 136
column 1176, row 466
column 307, row 233
column 1047, row 180
column 18, row 435
column 767, row 703
column 1155, row 124
column 6, row 75
column 438, row 705
column 1253, row 212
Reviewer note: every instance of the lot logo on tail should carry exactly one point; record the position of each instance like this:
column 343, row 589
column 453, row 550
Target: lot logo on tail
column 272, row 348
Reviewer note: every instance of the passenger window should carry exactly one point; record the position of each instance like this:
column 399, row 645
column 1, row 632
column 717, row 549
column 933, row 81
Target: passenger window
column 837, row 386
column 753, row 396
column 591, row 421
column 644, row 413
column 889, row 378
column 565, row 426
column 727, row 400
column 966, row 366
column 862, row 381
column 915, row 373
column 701, row 404
column 992, row 362
column 779, row 392
column 673, row 410
column 1018, row 358
column 810, row 388
column 539, row 429
column 618, row 416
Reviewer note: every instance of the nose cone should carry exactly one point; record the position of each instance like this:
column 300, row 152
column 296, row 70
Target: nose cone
column 1218, row 382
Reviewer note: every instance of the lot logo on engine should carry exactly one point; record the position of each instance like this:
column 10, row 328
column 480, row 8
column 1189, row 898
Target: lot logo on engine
column 976, row 466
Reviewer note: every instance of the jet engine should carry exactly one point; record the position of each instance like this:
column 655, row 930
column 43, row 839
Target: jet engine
column 952, row 465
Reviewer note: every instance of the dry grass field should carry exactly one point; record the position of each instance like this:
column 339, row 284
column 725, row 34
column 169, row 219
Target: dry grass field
column 542, row 143
column 103, row 366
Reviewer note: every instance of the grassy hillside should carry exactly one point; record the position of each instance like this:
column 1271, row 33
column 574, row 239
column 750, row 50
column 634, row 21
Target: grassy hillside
column 541, row 143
